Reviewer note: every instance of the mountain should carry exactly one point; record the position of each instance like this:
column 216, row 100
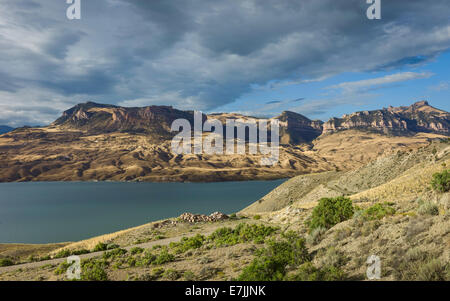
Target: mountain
column 419, row 117
column 95, row 118
column 105, row 142
column 296, row 128
column 5, row 129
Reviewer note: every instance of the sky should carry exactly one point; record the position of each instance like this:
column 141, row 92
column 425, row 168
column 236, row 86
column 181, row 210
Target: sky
column 320, row 58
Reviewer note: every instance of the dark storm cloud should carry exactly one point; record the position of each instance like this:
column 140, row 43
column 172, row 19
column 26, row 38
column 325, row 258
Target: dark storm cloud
column 201, row 54
column 8, row 84
column 59, row 45
column 94, row 83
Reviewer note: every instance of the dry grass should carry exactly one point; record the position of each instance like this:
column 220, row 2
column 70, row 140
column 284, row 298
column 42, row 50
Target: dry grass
column 411, row 184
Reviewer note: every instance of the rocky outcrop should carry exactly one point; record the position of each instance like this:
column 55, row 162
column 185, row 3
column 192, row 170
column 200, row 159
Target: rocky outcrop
column 198, row 218
column 97, row 118
column 419, row 117
column 296, row 128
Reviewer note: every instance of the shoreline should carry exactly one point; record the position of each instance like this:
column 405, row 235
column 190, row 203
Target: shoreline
column 187, row 182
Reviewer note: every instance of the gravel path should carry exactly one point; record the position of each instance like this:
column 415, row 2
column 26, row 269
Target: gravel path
column 146, row 245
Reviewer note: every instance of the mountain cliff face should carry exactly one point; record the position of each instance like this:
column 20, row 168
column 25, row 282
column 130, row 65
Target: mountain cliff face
column 97, row 118
column 296, row 128
column 419, row 117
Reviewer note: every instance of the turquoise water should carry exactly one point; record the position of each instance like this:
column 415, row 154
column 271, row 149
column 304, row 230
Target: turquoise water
column 46, row 212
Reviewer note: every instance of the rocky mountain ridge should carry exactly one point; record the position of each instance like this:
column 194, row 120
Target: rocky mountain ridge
column 294, row 128
column 419, row 117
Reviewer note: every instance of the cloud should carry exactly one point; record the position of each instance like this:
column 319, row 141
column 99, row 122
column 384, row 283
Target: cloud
column 271, row 108
column 321, row 106
column 273, row 102
column 368, row 84
column 442, row 86
column 197, row 54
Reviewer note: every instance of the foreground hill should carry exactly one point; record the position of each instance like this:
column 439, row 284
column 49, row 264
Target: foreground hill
column 104, row 142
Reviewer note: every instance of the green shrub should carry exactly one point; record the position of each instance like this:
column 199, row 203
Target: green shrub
column 31, row 258
column 270, row 263
column 131, row 261
column 136, row 250
column 93, row 270
column 257, row 217
column 100, row 247
column 114, row 253
column 67, row 253
column 164, row 257
column 377, row 211
column 4, row 262
column 158, row 272
column 308, row 272
column 295, row 249
column 329, row 212
column 80, row 252
column 186, row 244
column 62, row 268
column 171, row 274
column 62, row 254
column 441, row 181
column 264, row 268
column 241, row 234
column 112, row 246
column 46, row 257
column 189, row 276
column 147, row 259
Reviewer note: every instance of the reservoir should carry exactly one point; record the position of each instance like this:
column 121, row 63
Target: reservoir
column 48, row 212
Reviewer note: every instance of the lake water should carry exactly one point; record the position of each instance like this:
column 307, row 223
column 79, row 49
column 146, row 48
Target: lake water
column 46, row 212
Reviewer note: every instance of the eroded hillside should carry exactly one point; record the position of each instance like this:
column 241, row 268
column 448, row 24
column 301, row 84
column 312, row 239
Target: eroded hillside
column 103, row 142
